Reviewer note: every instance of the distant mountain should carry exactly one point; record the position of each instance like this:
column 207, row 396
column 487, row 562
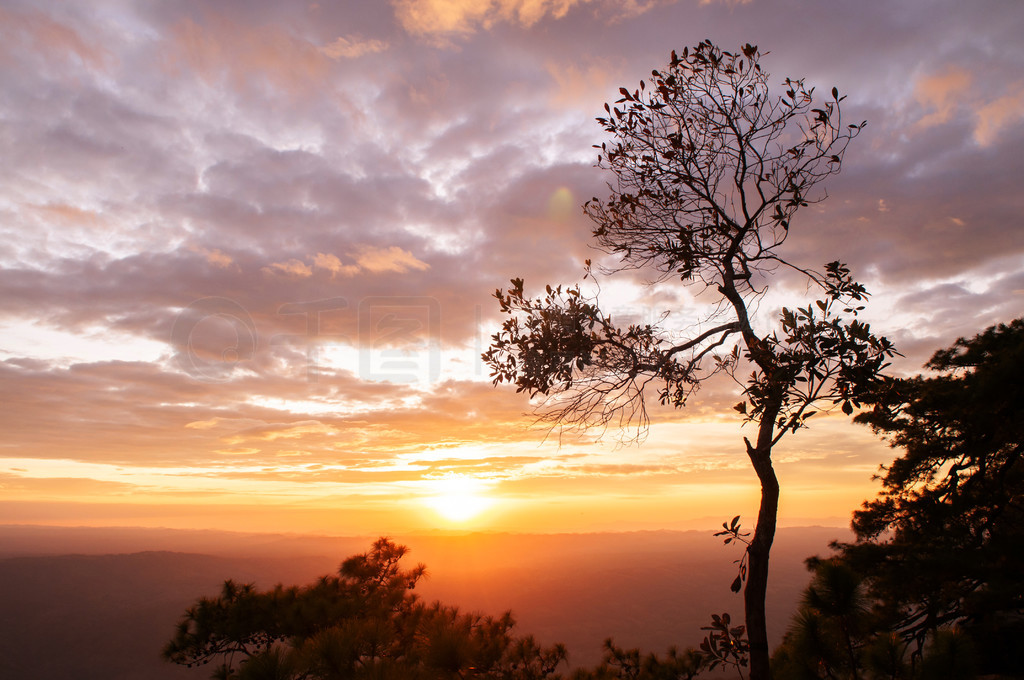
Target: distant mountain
column 20, row 540
column 106, row 616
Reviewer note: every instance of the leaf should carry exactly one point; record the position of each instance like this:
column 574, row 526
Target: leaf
column 736, row 584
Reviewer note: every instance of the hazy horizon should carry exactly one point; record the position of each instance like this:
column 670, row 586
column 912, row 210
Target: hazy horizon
column 110, row 609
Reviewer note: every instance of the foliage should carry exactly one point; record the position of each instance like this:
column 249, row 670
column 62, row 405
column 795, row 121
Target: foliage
column 630, row 664
column 943, row 543
column 837, row 635
column 733, row 532
column 725, row 645
column 363, row 623
column 828, row 635
column 938, row 562
column 710, row 171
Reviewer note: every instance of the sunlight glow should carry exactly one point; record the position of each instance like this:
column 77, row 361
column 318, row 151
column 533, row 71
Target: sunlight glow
column 458, row 498
column 65, row 347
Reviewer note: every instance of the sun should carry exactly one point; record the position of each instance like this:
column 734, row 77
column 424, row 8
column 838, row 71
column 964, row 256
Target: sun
column 458, row 498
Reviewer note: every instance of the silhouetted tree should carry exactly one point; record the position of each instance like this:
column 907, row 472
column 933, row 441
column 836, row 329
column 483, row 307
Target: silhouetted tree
column 838, row 635
column 631, row 664
column 710, row 170
column 933, row 586
column 943, row 543
column 831, row 628
column 363, row 623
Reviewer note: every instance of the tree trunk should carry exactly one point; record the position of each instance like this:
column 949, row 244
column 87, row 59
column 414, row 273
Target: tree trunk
column 761, row 459
column 757, row 564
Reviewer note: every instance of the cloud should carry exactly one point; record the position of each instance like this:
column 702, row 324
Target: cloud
column 220, row 49
column 941, row 95
column 296, row 430
column 999, row 114
column 25, row 486
column 351, row 48
column 52, row 37
column 332, row 264
column 956, row 92
column 583, row 84
column 203, row 424
column 371, row 259
column 219, row 259
column 424, row 17
column 291, row 267
column 68, row 215
column 216, row 257
column 439, row 21
column 392, row 259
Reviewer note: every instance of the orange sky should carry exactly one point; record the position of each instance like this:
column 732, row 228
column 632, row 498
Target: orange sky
column 249, row 249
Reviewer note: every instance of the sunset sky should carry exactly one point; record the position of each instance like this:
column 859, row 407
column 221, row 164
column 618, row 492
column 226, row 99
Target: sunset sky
column 249, row 249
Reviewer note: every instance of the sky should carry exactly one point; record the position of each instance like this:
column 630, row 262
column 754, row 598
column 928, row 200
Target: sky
column 249, row 250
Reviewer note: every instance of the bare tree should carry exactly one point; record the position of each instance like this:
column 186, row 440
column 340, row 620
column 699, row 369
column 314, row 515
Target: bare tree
column 709, row 172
